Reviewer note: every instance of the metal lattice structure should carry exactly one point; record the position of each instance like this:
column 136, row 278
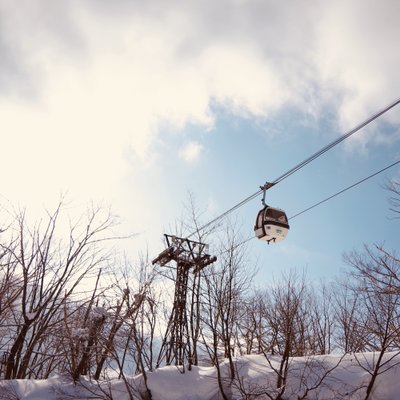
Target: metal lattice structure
column 188, row 255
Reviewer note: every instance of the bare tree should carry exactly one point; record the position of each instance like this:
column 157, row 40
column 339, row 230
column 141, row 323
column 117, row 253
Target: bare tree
column 314, row 375
column 351, row 333
column 393, row 187
column 192, row 222
column 10, row 291
column 288, row 318
column 227, row 284
column 322, row 321
column 50, row 270
column 253, row 328
column 376, row 275
column 129, row 340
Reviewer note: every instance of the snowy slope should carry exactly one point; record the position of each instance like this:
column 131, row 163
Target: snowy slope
column 322, row 377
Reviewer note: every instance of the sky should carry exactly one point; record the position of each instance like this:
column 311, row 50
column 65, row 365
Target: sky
column 139, row 104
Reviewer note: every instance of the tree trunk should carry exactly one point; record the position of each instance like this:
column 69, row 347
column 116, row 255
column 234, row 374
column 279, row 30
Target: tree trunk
column 11, row 364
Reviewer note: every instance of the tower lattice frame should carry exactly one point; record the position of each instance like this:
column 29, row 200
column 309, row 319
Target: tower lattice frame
column 188, row 255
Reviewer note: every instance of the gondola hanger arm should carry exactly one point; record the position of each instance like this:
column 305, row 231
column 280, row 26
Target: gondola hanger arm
column 264, row 188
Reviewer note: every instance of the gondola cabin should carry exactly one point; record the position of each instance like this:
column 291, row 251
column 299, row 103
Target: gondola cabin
column 271, row 225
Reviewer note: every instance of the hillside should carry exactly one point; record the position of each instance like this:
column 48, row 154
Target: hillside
column 319, row 377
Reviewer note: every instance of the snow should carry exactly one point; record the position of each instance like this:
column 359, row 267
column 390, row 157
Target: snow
column 99, row 313
column 170, row 384
column 344, row 377
column 30, row 315
column 80, row 333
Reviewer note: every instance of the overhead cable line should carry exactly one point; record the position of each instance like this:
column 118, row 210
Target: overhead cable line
column 331, row 197
column 300, row 165
column 344, row 190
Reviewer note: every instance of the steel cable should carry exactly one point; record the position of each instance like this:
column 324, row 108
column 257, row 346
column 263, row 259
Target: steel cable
column 301, row 165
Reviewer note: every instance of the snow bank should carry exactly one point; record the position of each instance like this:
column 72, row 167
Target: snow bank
column 322, row 377
column 170, row 384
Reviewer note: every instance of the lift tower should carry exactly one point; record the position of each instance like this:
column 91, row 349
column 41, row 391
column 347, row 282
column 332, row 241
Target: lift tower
column 187, row 254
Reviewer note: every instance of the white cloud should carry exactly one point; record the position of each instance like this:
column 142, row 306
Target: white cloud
column 191, row 151
column 85, row 87
column 356, row 56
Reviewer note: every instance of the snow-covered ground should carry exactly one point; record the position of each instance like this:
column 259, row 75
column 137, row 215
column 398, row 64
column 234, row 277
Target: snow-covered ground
column 322, row 377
